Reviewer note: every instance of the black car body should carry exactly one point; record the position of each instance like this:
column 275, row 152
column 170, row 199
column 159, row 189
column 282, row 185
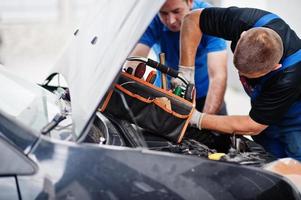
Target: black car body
column 46, row 151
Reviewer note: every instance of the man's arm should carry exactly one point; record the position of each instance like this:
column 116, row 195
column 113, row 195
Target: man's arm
column 190, row 38
column 217, row 71
column 191, row 35
column 243, row 125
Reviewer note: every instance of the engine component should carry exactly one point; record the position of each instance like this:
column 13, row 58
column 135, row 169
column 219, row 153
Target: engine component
column 187, row 147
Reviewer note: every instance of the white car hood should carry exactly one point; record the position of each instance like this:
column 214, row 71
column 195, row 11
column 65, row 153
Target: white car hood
column 90, row 69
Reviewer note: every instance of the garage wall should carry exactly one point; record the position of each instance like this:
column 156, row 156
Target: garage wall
column 33, row 33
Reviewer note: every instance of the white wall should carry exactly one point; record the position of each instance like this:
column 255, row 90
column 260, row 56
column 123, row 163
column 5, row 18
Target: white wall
column 286, row 9
column 289, row 11
column 244, row 3
column 34, row 32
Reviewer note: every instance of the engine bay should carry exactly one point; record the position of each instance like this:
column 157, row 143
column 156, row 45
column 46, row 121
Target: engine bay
column 107, row 130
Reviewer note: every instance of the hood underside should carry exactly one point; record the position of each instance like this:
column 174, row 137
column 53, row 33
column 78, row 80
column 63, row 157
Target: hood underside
column 98, row 49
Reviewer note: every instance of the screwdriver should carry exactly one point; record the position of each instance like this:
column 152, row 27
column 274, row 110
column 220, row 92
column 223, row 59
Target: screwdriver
column 151, row 77
column 140, row 70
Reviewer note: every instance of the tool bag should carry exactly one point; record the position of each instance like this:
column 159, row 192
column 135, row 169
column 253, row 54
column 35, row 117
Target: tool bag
column 156, row 110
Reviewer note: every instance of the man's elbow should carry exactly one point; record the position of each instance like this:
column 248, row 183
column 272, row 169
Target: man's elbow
column 192, row 17
column 254, row 128
column 219, row 78
column 255, row 132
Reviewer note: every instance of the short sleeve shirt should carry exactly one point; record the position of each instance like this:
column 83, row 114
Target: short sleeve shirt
column 280, row 91
column 163, row 40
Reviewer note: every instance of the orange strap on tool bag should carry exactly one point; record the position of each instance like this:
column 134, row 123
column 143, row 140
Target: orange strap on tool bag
column 156, row 110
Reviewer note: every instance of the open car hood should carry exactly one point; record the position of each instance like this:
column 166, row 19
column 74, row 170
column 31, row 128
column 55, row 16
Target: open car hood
column 98, row 49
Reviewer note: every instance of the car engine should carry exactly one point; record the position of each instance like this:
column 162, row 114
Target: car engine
column 240, row 150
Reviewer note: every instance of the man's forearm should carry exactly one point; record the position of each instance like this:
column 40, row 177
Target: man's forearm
column 215, row 96
column 242, row 125
column 190, row 38
column 217, row 72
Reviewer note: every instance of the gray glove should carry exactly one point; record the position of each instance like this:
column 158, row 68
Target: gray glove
column 187, row 73
column 196, row 119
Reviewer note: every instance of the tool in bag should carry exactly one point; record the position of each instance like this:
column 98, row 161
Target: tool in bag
column 140, row 70
column 155, row 110
column 151, row 77
column 163, row 75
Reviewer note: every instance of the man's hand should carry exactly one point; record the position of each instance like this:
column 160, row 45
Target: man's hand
column 196, row 119
column 187, row 73
column 238, row 124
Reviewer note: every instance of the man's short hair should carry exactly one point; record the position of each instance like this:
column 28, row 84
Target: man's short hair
column 258, row 50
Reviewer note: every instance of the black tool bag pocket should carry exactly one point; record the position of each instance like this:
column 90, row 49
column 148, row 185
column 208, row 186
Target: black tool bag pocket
column 154, row 109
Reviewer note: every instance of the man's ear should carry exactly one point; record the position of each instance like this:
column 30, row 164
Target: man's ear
column 242, row 33
column 277, row 66
column 190, row 3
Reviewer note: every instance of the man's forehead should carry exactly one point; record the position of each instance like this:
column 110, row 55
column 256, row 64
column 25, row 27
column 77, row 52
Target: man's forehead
column 170, row 5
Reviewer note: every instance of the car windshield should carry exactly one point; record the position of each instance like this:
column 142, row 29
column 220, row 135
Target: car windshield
column 26, row 102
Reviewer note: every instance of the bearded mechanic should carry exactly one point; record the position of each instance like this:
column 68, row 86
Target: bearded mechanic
column 267, row 55
column 211, row 60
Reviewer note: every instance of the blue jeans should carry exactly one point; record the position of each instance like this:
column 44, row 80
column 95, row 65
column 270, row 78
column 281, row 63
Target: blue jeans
column 282, row 145
column 284, row 138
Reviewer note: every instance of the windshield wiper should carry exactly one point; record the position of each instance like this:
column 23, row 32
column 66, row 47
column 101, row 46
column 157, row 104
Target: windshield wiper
column 54, row 122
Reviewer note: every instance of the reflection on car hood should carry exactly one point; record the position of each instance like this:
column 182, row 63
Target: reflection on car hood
column 98, row 49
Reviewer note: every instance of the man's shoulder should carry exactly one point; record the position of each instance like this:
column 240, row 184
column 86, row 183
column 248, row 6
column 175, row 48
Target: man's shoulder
column 156, row 24
column 288, row 78
column 292, row 73
column 200, row 4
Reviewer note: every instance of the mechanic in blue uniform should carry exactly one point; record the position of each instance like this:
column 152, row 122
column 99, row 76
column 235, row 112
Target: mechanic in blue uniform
column 267, row 55
column 211, row 60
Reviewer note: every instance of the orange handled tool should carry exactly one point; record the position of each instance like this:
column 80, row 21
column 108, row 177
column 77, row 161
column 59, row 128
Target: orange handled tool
column 151, row 77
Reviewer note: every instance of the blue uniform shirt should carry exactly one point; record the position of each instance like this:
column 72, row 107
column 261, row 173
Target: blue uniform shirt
column 161, row 39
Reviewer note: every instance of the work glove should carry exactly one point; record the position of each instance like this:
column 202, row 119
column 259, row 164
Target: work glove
column 196, row 119
column 187, row 73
